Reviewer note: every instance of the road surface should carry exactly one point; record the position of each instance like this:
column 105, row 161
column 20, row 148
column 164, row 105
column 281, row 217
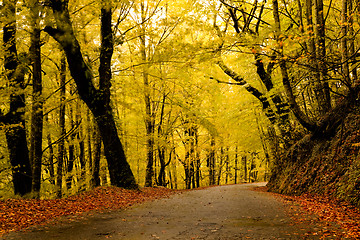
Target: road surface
column 225, row 212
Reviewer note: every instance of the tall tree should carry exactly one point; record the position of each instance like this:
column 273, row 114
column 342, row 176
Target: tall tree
column 62, row 111
column 15, row 119
column 98, row 100
column 37, row 107
column 149, row 112
column 248, row 23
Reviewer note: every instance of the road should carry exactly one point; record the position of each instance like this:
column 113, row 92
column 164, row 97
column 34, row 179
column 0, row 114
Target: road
column 225, row 212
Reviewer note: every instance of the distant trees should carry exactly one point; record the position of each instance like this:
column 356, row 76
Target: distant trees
column 104, row 92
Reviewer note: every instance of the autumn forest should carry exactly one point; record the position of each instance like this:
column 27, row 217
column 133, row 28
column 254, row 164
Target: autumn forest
column 179, row 94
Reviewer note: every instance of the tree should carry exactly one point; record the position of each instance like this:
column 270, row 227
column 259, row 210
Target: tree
column 249, row 23
column 15, row 118
column 36, row 139
column 98, row 100
column 61, row 144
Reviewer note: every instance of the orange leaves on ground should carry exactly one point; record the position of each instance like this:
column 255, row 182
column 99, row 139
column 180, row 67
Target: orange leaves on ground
column 331, row 219
column 16, row 214
column 330, row 213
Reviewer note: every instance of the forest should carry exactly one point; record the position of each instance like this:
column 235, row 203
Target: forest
column 179, row 94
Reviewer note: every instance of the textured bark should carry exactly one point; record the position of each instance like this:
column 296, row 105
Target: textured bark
column 97, row 156
column 51, row 160
column 61, row 145
column 98, row 101
column 71, row 148
column 149, row 116
column 353, row 8
column 344, row 43
column 37, row 107
column 89, row 141
column 162, row 147
column 15, row 118
column 300, row 115
column 321, row 55
column 255, row 92
column 315, row 76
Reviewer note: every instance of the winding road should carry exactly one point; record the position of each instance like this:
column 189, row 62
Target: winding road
column 225, row 212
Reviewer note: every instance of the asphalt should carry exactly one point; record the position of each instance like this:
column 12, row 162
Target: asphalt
column 225, row 212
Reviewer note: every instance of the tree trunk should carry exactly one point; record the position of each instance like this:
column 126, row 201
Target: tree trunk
column 221, row 164
column 89, row 138
column 97, row 156
column 344, row 43
column 98, row 101
column 227, row 166
column 71, row 141
column 302, row 118
column 321, row 54
column 353, row 8
column 37, row 107
column 211, row 161
column 162, row 146
column 244, row 158
column 236, row 165
column 315, row 75
column 15, row 119
column 149, row 118
column 61, row 145
column 51, row 160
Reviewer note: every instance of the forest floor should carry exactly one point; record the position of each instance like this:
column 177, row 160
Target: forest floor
column 226, row 212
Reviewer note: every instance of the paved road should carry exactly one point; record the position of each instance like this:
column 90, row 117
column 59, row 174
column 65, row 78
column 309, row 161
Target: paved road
column 225, row 212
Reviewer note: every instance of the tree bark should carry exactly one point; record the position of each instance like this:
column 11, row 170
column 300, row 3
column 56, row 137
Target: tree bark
column 15, row 118
column 97, row 156
column 211, row 161
column 61, row 146
column 71, row 145
column 321, row 55
column 244, row 158
column 98, row 101
column 149, row 117
column 37, row 107
column 315, row 75
column 300, row 115
column 344, row 43
column 255, row 92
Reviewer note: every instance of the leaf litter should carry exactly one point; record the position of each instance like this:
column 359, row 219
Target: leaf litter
column 18, row 214
column 333, row 219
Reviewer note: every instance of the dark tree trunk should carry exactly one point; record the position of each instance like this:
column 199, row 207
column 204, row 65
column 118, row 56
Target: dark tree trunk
column 192, row 172
column 236, row 165
column 89, row 138
column 97, row 156
column 51, row 160
column 321, row 54
column 244, row 158
column 15, row 119
column 71, row 152
column 37, row 108
column 98, row 101
column 221, row 164
column 80, row 140
column 149, row 116
column 162, row 147
column 211, row 161
column 197, row 171
column 227, row 167
column 61, row 146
